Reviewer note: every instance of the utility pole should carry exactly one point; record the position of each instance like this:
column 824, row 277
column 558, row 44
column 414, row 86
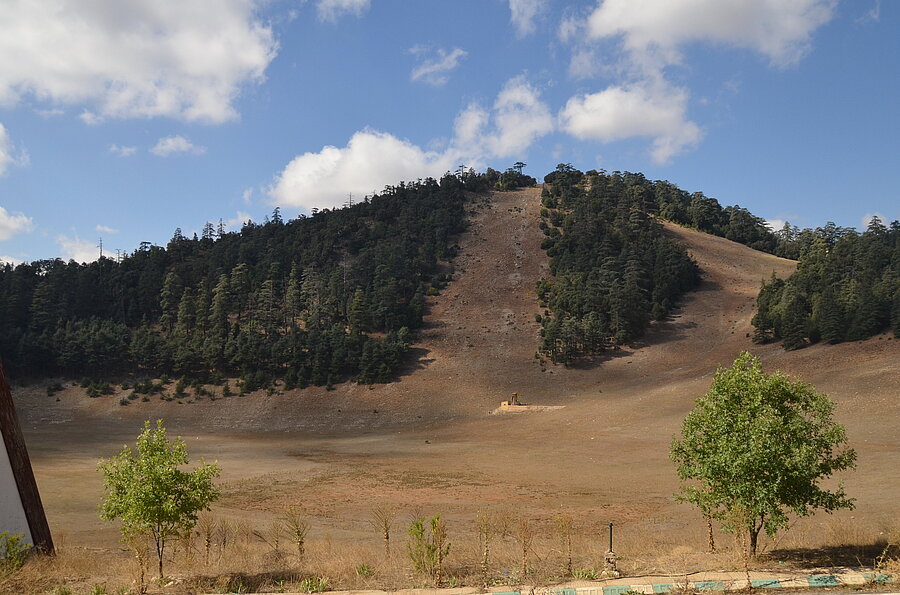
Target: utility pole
column 100, row 245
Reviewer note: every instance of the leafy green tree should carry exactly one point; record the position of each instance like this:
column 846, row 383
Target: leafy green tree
column 150, row 494
column 755, row 448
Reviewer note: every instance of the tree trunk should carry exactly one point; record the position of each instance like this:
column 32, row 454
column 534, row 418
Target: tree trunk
column 710, row 538
column 754, row 538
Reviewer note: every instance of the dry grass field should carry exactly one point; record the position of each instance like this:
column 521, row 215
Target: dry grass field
column 428, row 444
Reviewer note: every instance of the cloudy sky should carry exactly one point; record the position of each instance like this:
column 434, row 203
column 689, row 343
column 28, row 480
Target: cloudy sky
column 124, row 119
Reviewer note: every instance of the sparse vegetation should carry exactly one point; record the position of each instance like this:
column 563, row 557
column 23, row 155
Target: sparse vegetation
column 13, row 551
column 429, row 547
column 149, row 493
column 755, row 448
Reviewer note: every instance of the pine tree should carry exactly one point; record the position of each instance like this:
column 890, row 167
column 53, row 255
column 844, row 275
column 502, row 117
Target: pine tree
column 793, row 326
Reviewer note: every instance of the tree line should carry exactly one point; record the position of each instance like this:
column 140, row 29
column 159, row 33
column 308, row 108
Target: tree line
column 846, row 287
column 313, row 300
column 613, row 269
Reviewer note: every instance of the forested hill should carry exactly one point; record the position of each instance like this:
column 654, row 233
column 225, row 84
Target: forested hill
column 313, row 300
column 614, row 269
column 846, row 288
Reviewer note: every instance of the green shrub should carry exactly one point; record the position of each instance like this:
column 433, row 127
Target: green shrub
column 314, row 584
column 13, row 551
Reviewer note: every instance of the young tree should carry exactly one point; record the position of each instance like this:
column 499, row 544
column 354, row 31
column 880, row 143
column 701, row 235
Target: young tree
column 755, row 447
column 148, row 492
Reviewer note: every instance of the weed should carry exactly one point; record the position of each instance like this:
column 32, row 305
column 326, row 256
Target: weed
column 98, row 590
column 314, row 584
column 428, row 549
column 62, row 591
column 585, row 574
column 13, row 552
column 297, row 527
column 364, row 570
column 383, row 517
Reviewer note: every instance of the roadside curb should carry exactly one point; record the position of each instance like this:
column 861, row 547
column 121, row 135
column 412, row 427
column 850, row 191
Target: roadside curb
column 814, row 581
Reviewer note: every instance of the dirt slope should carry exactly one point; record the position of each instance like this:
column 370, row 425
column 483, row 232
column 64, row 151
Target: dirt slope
column 428, row 439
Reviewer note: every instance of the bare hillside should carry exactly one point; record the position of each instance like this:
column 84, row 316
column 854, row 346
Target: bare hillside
column 429, row 440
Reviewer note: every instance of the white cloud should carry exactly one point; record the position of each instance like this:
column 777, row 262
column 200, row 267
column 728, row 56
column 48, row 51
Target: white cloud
column 523, row 14
column 616, row 113
column 105, row 229
column 867, row 219
column 11, row 260
column 656, row 29
column 247, row 195
column 176, row 144
column 74, row 248
column 520, row 117
column 122, row 151
column 9, row 156
column 873, row 15
column 332, row 10
column 434, row 70
column 775, row 224
column 141, row 58
column 373, row 159
column 370, row 161
column 238, row 220
column 12, row 224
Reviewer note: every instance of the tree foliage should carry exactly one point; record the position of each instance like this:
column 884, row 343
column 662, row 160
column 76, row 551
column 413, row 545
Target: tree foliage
column 846, row 288
column 614, row 270
column 151, row 496
column 755, row 448
column 318, row 299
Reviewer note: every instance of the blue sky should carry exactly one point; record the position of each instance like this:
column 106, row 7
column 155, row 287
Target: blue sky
column 127, row 119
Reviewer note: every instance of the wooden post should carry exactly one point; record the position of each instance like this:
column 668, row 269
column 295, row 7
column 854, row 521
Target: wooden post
column 22, row 472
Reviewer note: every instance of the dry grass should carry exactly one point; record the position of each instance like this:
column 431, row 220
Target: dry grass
column 223, row 556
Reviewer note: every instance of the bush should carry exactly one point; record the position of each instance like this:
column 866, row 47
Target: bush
column 314, row 584
column 13, row 552
column 54, row 388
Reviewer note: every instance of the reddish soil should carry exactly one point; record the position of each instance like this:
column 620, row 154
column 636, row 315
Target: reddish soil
column 428, row 442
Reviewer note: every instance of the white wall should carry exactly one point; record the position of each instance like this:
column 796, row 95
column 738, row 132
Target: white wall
column 12, row 515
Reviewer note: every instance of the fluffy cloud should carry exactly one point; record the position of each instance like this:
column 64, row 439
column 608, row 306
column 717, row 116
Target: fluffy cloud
column 238, row 220
column 779, row 30
column 122, row 151
column 616, row 113
column 332, row 10
column 11, row 260
column 523, row 14
column 8, row 154
column 12, row 224
column 373, row 159
column 175, row 144
column 370, row 161
column 141, row 58
column 519, row 118
column 74, row 248
column 434, row 70
column 106, row 229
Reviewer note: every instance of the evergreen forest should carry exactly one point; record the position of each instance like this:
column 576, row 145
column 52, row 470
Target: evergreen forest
column 338, row 295
column 314, row 300
column 613, row 269
column 846, row 288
